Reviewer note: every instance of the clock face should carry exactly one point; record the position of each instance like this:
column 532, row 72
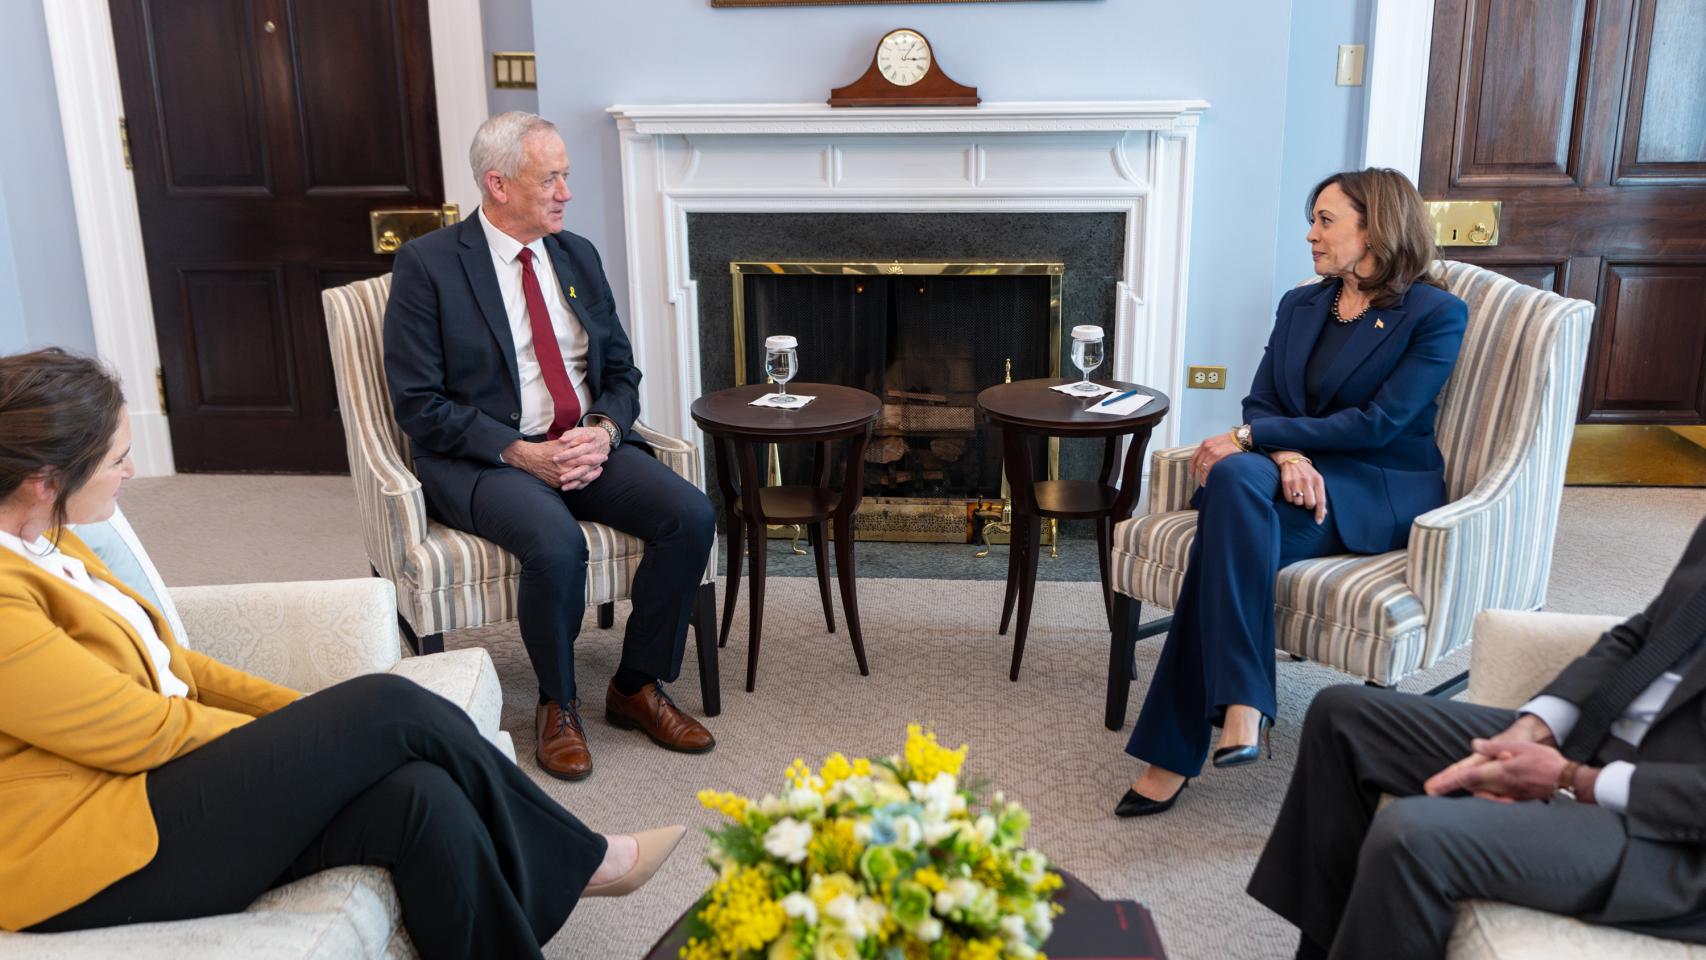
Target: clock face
column 903, row 57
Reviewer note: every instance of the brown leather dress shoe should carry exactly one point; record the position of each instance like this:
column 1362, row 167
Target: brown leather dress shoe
column 562, row 751
column 652, row 711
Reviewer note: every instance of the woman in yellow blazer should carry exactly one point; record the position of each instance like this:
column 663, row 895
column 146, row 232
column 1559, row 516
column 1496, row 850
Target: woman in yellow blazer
column 140, row 781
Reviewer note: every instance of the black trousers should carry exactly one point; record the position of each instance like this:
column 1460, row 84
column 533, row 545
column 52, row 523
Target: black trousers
column 637, row 495
column 377, row 771
column 1373, row 882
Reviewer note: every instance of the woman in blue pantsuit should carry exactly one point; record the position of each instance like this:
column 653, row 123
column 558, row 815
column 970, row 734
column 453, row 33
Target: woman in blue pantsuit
column 1336, row 455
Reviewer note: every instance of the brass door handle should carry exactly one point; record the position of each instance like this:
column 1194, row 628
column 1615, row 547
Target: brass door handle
column 388, row 242
column 1479, row 233
column 390, row 229
column 1465, row 223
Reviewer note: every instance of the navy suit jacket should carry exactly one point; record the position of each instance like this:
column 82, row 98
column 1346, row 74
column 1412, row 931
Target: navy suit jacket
column 450, row 360
column 1371, row 435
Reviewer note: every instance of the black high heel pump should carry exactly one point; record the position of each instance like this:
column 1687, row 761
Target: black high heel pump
column 1135, row 804
column 1249, row 753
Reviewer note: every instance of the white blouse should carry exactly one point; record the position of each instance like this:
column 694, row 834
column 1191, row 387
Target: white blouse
column 43, row 554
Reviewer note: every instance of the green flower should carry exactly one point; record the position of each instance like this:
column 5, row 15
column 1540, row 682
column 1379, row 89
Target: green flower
column 879, row 865
column 1015, row 821
column 911, row 904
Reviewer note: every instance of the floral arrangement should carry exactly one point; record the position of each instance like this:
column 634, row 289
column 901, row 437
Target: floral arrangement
column 887, row 860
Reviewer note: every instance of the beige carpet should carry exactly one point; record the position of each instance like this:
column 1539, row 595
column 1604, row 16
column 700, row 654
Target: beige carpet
column 935, row 658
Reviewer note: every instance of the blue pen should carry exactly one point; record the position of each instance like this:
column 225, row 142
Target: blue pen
column 1116, row 399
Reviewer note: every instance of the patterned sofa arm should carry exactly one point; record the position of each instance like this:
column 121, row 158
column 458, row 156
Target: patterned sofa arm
column 1170, row 484
column 675, row 453
column 1516, row 653
column 306, row 635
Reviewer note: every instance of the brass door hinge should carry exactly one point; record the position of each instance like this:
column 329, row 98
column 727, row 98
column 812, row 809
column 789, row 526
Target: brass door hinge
column 160, row 387
column 124, row 141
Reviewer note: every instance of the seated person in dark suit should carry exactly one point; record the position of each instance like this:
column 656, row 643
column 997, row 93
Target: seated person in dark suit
column 1622, row 729
column 511, row 373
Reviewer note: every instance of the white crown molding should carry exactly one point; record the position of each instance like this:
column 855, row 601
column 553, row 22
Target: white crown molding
column 808, row 118
column 85, row 72
column 1133, row 158
column 1400, row 43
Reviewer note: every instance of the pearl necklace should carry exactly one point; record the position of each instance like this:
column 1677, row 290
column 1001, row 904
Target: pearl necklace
column 1343, row 319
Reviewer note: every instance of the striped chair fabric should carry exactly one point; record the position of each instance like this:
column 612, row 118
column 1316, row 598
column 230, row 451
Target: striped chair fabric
column 1505, row 421
column 446, row 579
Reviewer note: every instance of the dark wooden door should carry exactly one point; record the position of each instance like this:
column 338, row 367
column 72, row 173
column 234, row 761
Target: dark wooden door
column 262, row 133
column 1587, row 118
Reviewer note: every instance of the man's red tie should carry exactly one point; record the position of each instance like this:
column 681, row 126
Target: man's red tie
column 566, row 407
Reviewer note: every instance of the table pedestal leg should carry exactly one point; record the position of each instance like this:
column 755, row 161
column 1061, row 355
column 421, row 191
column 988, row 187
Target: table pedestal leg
column 1015, row 560
column 737, row 553
column 1027, row 590
column 750, row 484
column 849, row 592
column 820, row 550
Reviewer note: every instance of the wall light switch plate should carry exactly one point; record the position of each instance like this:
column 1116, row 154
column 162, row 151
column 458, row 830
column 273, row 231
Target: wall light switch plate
column 1350, row 64
column 1205, row 378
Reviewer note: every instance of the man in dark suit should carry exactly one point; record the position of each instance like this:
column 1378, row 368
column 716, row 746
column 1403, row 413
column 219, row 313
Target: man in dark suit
column 510, row 372
column 1621, row 733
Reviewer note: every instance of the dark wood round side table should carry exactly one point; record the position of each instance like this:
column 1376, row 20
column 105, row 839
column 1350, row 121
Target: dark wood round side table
column 1028, row 410
column 739, row 430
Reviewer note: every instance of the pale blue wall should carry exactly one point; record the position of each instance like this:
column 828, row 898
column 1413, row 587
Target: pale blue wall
column 1233, row 53
column 43, row 299
column 1323, row 121
column 508, row 26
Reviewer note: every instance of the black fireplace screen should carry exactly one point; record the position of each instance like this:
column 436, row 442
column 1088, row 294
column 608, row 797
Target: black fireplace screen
column 925, row 339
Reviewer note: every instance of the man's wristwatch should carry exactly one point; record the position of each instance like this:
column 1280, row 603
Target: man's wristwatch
column 1241, row 436
column 1567, row 779
column 611, row 429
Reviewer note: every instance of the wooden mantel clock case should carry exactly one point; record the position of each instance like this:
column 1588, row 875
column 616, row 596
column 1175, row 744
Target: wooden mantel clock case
column 904, row 73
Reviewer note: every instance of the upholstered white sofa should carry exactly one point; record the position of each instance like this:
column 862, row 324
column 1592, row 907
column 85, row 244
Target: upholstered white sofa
column 1514, row 656
column 308, row 636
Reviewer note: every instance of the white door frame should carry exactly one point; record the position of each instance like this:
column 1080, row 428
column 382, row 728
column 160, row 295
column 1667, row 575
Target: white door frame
column 1400, row 42
column 85, row 71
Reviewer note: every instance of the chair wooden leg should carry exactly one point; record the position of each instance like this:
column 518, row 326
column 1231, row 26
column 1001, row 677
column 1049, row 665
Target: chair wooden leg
column 1027, row 591
column 606, row 616
column 755, row 604
column 737, row 544
column 1122, row 648
column 820, row 549
column 420, row 646
column 705, row 638
column 1451, row 687
column 1104, row 559
column 849, row 588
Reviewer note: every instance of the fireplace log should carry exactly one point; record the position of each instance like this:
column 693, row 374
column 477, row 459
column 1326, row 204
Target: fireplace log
column 917, row 418
column 885, row 450
column 948, row 449
column 923, row 397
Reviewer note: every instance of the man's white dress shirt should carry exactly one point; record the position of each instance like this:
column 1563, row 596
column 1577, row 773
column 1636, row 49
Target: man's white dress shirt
column 536, row 407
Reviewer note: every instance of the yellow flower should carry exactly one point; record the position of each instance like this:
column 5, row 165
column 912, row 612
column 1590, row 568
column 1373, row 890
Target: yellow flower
column 826, row 887
column 833, row 849
column 798, row 773
column 988, row 948
column 925, row 757
column 741, row 913
column 836, row 946
column 930, row 880
column 861, row 767
column 1050, row 882
column 731, row 805
column 987, row 870
column 836, row 768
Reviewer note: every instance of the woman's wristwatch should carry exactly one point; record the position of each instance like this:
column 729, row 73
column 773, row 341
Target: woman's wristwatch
column 1241, row 436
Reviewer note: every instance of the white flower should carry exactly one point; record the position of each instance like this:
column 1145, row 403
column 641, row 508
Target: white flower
column 845, row 911
column 907, row 832
column 872, row 913
column 1030, row 866
column 885, row 792
column 770, row 806
column 1018, row 950
column 805, row 802
column 929, row 930
column 960, row 892
column 1041, row 920
column 859, row 789
column 787, row 840
column 940, row 797
column 800, row 907
column 937, row 831
column 984, row 828
column 1012, row 927
column 862, row 832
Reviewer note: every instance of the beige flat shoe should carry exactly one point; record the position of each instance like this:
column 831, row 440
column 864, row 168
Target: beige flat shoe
column 655, row 847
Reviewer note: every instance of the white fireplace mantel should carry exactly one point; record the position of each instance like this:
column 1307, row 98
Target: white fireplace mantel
column 1130, row 157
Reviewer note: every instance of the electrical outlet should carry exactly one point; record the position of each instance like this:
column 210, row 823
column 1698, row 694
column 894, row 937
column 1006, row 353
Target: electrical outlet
column 1205, row 378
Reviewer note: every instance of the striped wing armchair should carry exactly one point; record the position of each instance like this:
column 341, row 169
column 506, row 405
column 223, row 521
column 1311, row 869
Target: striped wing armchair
column 448, row 579
column 1504, row 427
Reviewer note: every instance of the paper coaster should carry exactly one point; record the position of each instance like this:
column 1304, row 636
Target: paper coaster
column 1066, row 388
column 792, row 401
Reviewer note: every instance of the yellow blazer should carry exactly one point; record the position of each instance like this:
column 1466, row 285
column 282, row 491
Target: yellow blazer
column 82, row 722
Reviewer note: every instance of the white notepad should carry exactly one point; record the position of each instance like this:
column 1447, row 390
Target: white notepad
column 1122, row 408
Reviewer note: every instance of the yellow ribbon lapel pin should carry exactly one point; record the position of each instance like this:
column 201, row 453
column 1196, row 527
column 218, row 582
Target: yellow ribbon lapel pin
column 571, row 291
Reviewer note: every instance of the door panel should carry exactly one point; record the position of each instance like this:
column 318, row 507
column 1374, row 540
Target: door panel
column 354, row 117
column 263, row 132
column 1521, row 86
column 1582, row 118
column 237, row 321
column 207, row 107
column 1649, row 362
column 1665, row 133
